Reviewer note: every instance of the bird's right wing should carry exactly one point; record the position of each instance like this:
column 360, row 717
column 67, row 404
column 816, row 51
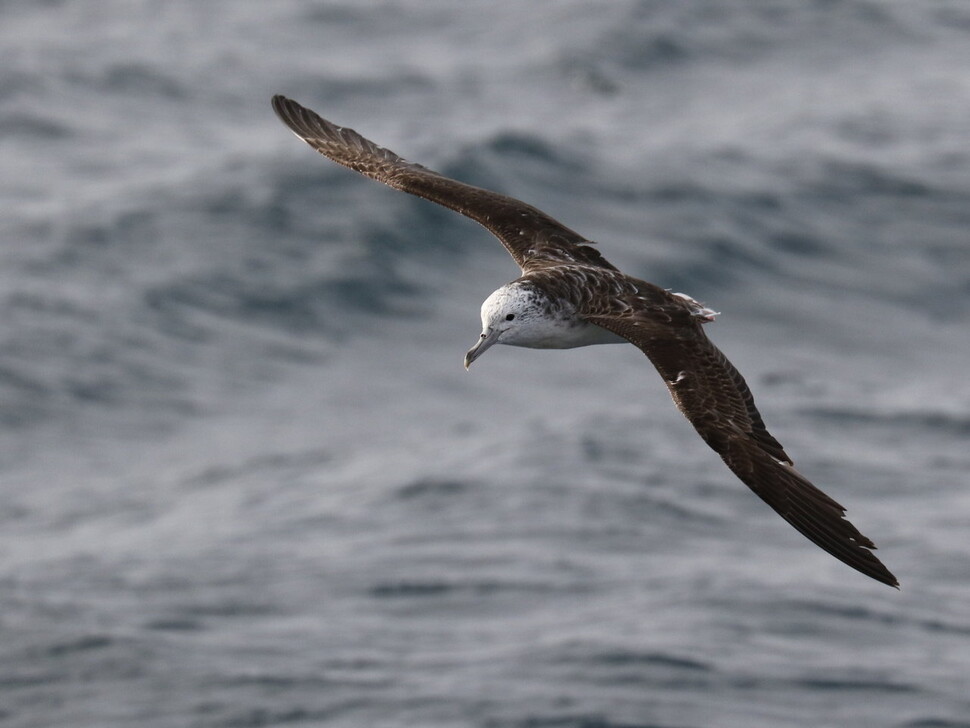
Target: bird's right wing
column 532, row 237
column 714, row 397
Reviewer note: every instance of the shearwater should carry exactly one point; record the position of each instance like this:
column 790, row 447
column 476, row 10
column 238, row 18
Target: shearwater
column 569, row 295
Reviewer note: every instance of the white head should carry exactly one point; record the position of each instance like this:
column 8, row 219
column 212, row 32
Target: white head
column 508, row 317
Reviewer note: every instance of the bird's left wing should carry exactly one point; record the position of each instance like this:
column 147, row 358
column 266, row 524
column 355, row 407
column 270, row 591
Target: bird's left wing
column 532, row 237
column 714, row 397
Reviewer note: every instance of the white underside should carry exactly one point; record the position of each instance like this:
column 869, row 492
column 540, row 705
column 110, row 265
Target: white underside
column 561, row 335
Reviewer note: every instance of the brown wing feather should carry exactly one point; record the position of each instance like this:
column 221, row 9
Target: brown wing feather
column 716, row 400
column 533, row 238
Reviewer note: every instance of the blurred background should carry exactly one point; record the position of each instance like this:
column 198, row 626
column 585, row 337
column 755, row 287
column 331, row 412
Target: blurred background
column 246, row 481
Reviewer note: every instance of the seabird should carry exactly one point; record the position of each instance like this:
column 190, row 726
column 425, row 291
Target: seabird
column 569, row 295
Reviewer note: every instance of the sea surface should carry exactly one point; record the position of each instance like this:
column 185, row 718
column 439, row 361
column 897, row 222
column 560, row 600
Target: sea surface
column 245, row 480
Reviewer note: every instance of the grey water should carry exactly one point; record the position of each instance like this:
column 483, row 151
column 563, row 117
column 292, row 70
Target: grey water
column 245, row 481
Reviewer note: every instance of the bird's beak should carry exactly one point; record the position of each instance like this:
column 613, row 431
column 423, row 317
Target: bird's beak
column 485, row 341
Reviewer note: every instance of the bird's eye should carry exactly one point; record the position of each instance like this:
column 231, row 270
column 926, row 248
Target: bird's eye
column 510, row 316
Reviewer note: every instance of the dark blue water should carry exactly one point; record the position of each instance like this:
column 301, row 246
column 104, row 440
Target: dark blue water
column 246, row 482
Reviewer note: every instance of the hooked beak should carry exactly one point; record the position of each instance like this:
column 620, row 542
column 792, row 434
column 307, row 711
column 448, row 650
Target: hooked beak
column 485, row 341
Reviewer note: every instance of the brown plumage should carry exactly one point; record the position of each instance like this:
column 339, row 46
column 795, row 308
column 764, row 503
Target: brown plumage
column 564, row 269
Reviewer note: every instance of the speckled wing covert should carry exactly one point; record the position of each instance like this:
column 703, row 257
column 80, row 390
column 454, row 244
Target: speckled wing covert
column 533, row 238
column 716, row 400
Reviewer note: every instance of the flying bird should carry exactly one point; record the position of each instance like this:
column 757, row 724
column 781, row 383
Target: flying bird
column 569, row 295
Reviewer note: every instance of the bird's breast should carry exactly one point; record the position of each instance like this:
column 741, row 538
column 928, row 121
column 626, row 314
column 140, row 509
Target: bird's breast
column 562, row 333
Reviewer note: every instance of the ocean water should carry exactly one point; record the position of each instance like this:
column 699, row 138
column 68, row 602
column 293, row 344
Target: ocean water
column 246, row 482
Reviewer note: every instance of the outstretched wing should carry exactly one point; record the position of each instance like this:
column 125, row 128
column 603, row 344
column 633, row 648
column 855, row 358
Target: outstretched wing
column 533, row 238
column 713, row 395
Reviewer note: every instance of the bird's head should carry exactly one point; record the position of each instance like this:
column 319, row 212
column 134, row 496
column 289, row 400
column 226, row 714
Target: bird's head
column 505, row 318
